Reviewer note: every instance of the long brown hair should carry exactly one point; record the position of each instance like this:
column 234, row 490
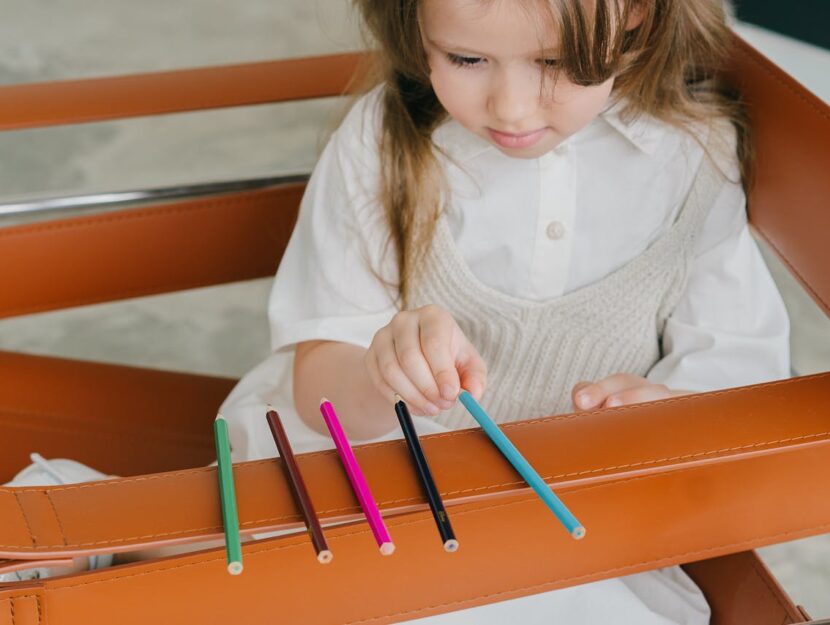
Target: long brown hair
column 668, row 67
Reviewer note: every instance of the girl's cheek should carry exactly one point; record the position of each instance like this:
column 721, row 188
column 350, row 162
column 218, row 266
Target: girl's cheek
column 456, row 92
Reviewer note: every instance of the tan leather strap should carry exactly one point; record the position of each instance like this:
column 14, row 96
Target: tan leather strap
column 169, row 247
column 592, row 459
column 97, row 99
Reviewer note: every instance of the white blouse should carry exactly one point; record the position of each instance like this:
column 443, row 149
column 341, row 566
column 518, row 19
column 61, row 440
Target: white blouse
column 535, row 229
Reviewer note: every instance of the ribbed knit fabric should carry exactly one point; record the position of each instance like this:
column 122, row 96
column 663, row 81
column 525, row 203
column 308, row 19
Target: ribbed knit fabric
column 536, row 351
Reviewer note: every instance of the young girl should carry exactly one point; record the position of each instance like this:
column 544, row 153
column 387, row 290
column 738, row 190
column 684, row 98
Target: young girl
column 540, row 202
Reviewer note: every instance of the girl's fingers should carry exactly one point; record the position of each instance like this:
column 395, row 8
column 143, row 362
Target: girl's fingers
column 650, row 392
column 390, row 374
column 383, row 388
column 594, row 395
column 437, row 339
column 406, row 338
column 576, row 398
column 473, row 370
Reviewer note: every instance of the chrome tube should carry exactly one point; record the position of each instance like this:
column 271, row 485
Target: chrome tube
column 122, row 198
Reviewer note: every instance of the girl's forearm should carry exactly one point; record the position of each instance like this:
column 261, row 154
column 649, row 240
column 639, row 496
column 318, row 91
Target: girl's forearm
column 336, row 371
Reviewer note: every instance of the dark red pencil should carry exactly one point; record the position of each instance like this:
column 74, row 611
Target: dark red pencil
column 295, row 479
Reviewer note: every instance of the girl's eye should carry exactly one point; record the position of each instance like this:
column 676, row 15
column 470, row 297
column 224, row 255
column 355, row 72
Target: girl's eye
column 464, row 61
column 549, row 63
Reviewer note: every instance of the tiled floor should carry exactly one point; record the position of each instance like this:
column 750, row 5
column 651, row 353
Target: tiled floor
column 223, row 330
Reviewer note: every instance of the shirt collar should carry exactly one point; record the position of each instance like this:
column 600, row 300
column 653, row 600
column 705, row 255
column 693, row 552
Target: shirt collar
column 644, row 132
column 457, row 142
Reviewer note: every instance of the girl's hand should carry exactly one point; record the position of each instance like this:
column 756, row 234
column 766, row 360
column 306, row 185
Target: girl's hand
column 620, row 389
column 423, row 356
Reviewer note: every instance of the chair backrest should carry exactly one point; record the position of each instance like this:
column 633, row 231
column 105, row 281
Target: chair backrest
column 241, row 235
column 789, row 204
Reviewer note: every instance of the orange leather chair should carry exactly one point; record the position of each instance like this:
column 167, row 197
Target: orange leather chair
column 698, row 480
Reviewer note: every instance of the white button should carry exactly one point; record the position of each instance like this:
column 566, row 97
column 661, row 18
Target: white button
column 555, row 230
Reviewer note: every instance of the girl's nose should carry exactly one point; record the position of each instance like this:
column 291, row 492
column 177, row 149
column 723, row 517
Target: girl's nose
column 513, row 98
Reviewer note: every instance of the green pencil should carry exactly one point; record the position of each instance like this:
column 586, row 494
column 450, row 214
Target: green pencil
column 230, row 520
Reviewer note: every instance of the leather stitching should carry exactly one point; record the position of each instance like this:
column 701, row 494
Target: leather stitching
column 12, row 600
column 57, row 516
column 26, row 520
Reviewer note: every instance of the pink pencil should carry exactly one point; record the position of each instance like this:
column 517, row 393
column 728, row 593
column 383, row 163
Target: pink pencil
column 356, row 477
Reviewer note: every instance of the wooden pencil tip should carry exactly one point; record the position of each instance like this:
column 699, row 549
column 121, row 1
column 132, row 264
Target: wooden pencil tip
column 235, row 568
column 219, row 416
column 398, row 398
column 325, row 556
column 451, row 545
column 387, row 549
column 578, row 533
column 324, row 400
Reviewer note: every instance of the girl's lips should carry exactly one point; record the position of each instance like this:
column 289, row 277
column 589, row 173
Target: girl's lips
column 508, row 140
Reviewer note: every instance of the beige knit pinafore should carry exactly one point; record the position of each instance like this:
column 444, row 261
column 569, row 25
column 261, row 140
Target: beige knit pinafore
column 536, row 351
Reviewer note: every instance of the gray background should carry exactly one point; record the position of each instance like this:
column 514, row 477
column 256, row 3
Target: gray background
column 222, row 330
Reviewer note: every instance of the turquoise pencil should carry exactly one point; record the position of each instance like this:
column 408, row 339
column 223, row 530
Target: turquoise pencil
column 227, row 495
column 521, row 465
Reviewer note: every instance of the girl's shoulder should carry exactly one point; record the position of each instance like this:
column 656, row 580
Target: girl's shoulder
column 361, row 125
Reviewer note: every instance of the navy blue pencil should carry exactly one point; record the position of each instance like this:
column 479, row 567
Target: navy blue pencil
column 433, row 495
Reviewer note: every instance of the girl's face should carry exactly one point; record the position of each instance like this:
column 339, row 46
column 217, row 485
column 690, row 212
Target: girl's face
column 486, row 67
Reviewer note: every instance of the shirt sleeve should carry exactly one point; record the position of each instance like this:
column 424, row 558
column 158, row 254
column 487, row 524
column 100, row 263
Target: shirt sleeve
column 328, row 285
column 730, row 327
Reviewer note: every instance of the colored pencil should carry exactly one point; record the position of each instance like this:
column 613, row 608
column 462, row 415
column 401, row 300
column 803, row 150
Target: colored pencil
column 521, row 465
column 227, row 495
column 357, row 479
column 425, row 475
column 298, row 489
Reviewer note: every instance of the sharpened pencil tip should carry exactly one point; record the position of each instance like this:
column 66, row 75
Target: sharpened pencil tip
column 451, row 546
column 325, row 556
column 398, row 398
column 324, row 400
column 387, row 549
column 235, row 568
column 219, row 416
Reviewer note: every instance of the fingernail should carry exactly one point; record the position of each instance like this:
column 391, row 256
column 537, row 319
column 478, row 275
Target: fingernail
column 612, row 402
column 447, row 392
column 432, row 409
column 583, row 399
